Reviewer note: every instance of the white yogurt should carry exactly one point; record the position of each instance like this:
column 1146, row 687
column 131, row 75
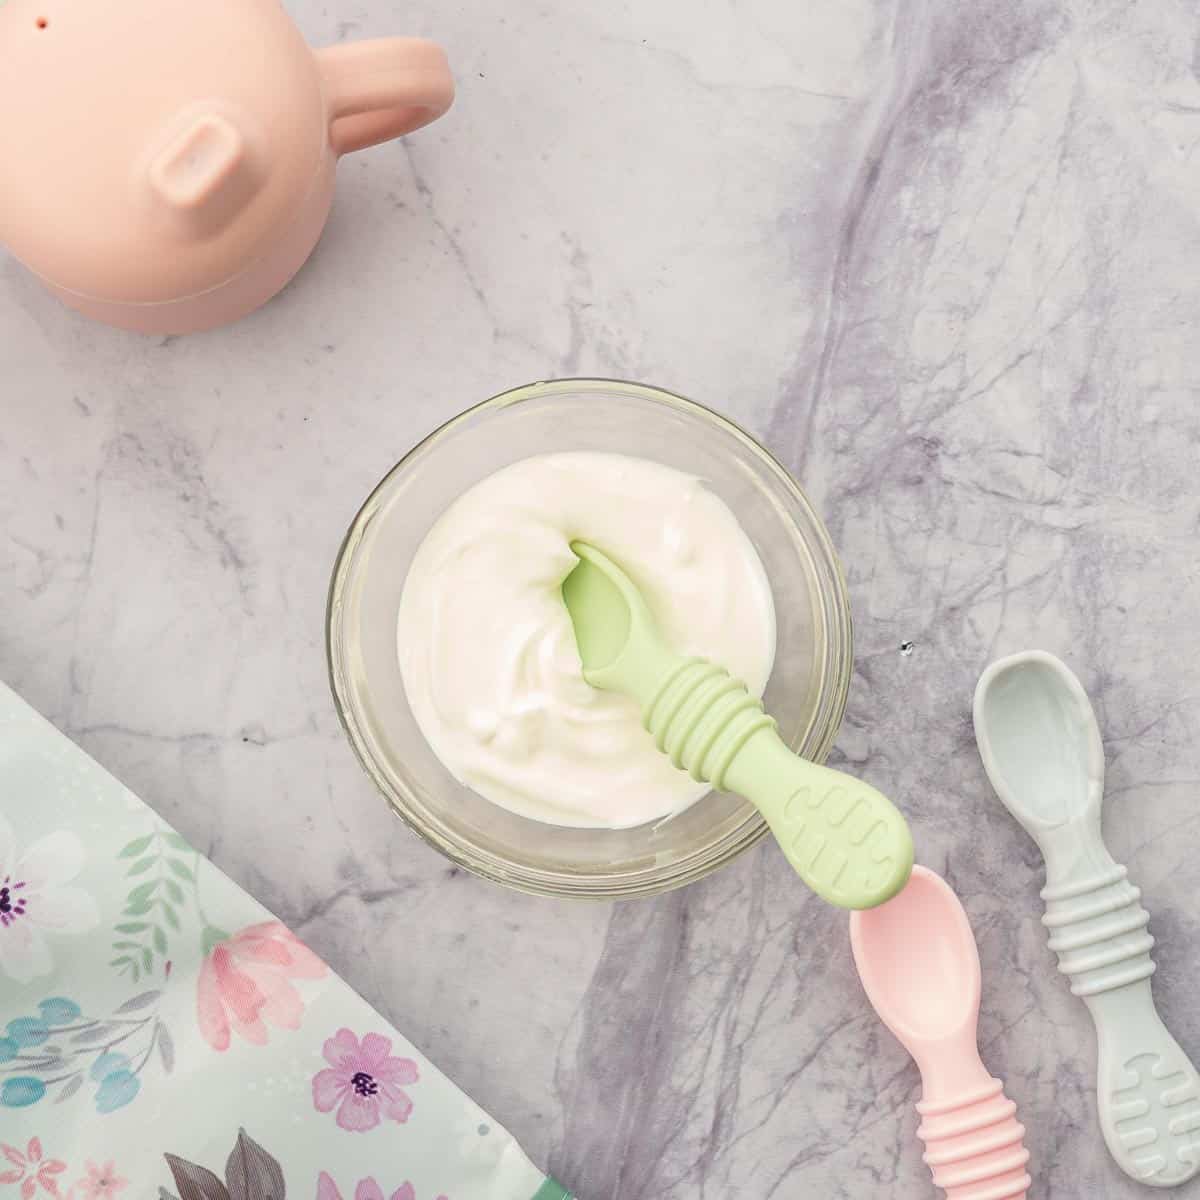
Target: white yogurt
column 488, row 655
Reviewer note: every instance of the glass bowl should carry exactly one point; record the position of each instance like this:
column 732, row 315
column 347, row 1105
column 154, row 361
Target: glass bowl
column 806, row 693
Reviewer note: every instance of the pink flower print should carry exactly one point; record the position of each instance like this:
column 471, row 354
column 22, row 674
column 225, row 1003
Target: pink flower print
column 101, row 1183
column 363, row 1082
column 31, row 1170
column 367, row 1189
column 37, row 898
column 244, row 984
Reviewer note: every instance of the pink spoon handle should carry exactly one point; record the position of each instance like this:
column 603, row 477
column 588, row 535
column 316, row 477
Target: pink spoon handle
column 974, row 1144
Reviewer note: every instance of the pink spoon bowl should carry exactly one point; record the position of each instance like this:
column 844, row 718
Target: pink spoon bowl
column 917, row 959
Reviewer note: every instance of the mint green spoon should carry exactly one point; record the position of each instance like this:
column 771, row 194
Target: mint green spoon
column 846, row 840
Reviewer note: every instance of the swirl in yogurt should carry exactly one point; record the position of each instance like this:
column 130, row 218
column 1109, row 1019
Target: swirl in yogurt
column 488, row 655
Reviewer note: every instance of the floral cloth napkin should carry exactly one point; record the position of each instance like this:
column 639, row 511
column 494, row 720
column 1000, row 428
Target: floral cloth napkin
column 163, row 1036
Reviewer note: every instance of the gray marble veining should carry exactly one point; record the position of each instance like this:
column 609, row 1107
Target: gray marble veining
column 943, row 258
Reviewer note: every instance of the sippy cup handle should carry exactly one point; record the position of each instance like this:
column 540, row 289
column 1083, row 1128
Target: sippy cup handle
column 378, row 90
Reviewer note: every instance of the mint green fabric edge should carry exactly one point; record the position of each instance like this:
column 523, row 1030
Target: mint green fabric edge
column 551, row 1190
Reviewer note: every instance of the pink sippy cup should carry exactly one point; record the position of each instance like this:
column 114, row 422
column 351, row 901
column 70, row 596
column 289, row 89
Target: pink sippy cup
column 168, row 165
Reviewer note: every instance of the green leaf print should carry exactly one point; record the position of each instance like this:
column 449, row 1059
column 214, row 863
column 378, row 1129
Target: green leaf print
column 142, row 892
column 181, row 869
column 154, row 899
column 164, row 900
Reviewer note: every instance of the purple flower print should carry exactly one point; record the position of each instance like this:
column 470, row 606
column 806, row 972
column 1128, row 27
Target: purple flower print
column 363, row 1082
column 367, row 1189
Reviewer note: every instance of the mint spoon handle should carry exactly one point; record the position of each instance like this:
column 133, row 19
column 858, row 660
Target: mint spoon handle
column 1094, row 916
column 1148, row 1091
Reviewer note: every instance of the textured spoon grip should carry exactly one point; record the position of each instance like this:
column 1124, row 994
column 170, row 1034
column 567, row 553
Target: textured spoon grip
column 846, row 840
column 701, row 717
column 1098, row 930
column 1150, row 1104
column 974, row 1145
column 1148, row 1090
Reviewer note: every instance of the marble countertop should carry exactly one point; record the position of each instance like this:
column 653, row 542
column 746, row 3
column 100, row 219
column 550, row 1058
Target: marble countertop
column 943, row 260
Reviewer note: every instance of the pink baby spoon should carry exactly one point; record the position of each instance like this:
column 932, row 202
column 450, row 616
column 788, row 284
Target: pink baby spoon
column 918, row 961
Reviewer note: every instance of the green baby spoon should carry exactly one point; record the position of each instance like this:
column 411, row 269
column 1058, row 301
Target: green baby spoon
column 847, row 841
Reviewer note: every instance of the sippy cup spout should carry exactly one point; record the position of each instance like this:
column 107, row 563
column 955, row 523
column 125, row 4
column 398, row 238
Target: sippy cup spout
column 205, row 174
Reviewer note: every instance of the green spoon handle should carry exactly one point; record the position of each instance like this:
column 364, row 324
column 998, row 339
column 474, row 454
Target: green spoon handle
column 846, row 840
